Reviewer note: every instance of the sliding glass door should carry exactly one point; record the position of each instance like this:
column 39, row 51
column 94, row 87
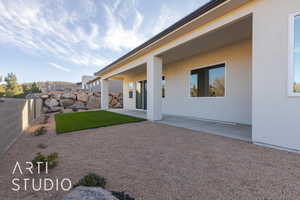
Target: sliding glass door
column 141, row 95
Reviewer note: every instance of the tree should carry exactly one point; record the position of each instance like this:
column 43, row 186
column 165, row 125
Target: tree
column 2, row 90
column 25, row 88
column 35, row 88
column 12, row 86
column 217, row 88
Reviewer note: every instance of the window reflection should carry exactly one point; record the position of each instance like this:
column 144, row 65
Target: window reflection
column 208, row 82
column 297, row 55
column 163, row 87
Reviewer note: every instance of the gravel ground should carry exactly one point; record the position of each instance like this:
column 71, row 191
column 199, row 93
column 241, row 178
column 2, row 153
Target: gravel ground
column 159, row 162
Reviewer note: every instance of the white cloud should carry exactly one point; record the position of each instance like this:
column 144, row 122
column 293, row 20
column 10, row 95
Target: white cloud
column 59, row 67
column 166, row 18
column 88, row 60
column 118, row 36
column 76, row 34
column 48, row 28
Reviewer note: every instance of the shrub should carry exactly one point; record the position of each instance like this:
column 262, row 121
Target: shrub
column 40, row 131
column 92, row 180
column 121, row 195
column 51, row 159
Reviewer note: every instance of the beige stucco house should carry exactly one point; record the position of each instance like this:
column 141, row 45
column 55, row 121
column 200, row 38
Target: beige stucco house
column 231, row 60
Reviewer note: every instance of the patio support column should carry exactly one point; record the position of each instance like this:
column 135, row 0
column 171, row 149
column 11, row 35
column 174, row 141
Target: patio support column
column 154, row 88
column 104, row 94
column 134, row 93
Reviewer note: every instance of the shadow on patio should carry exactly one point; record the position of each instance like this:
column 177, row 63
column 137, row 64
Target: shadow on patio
column 230, row 130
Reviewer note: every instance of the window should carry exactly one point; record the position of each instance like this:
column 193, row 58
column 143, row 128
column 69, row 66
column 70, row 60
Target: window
column 295, row 55
column 130, row 88
column 208, row 81
column 163, row 83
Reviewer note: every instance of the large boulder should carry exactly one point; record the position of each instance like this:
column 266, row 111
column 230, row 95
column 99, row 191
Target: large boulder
column 93, row 102
column 115, row 100
column 97, row 94
column 68, row 95
column 44, row 96
column 51, row 102
column 82, row 96
column 89, row 193
column 57, row 96
column 52, row 109
column 67, row 102
column 79, row 103
column 33, row 96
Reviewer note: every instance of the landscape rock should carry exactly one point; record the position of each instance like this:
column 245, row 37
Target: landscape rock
column 115, row 100
column 66, row 102
column 77, row 107
column 97, row 94
column 51, row 102
column 79, row 103
column 78, row 98
column 118, row 105
column 53, row 109
column 89, row 193
column 82, row 96
column 93, row 102
column 68, row 96
column 44, row 96
column 33, row 96
column 51, row 95
column 57, row 95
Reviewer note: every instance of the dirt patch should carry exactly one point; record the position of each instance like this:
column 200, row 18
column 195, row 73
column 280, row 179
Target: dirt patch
column 159, row 162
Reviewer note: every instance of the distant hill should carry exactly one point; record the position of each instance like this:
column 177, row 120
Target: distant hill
column 54, row 85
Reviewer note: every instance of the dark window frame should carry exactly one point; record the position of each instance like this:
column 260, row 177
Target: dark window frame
column 130, row 90
column 202, row 71
column 163, row 86
column 294, row 85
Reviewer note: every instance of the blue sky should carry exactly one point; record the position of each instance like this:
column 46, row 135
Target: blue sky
column 61, row 40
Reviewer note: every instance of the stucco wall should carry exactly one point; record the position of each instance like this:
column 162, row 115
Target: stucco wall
column 275, row 115
column 234, row 107
column 115, row 86
column 15, row 116
column 129, row 103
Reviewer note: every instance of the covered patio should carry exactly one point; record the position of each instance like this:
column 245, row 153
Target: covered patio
column 158, row 87
column 220, row 46
column 230, row 130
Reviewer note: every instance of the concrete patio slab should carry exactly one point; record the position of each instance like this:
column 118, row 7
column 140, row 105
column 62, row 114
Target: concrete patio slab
column 235, row 131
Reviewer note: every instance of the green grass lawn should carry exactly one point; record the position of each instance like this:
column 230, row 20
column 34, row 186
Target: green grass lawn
column 76, row 121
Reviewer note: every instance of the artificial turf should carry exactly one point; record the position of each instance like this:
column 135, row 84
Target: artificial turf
column 76, row 121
